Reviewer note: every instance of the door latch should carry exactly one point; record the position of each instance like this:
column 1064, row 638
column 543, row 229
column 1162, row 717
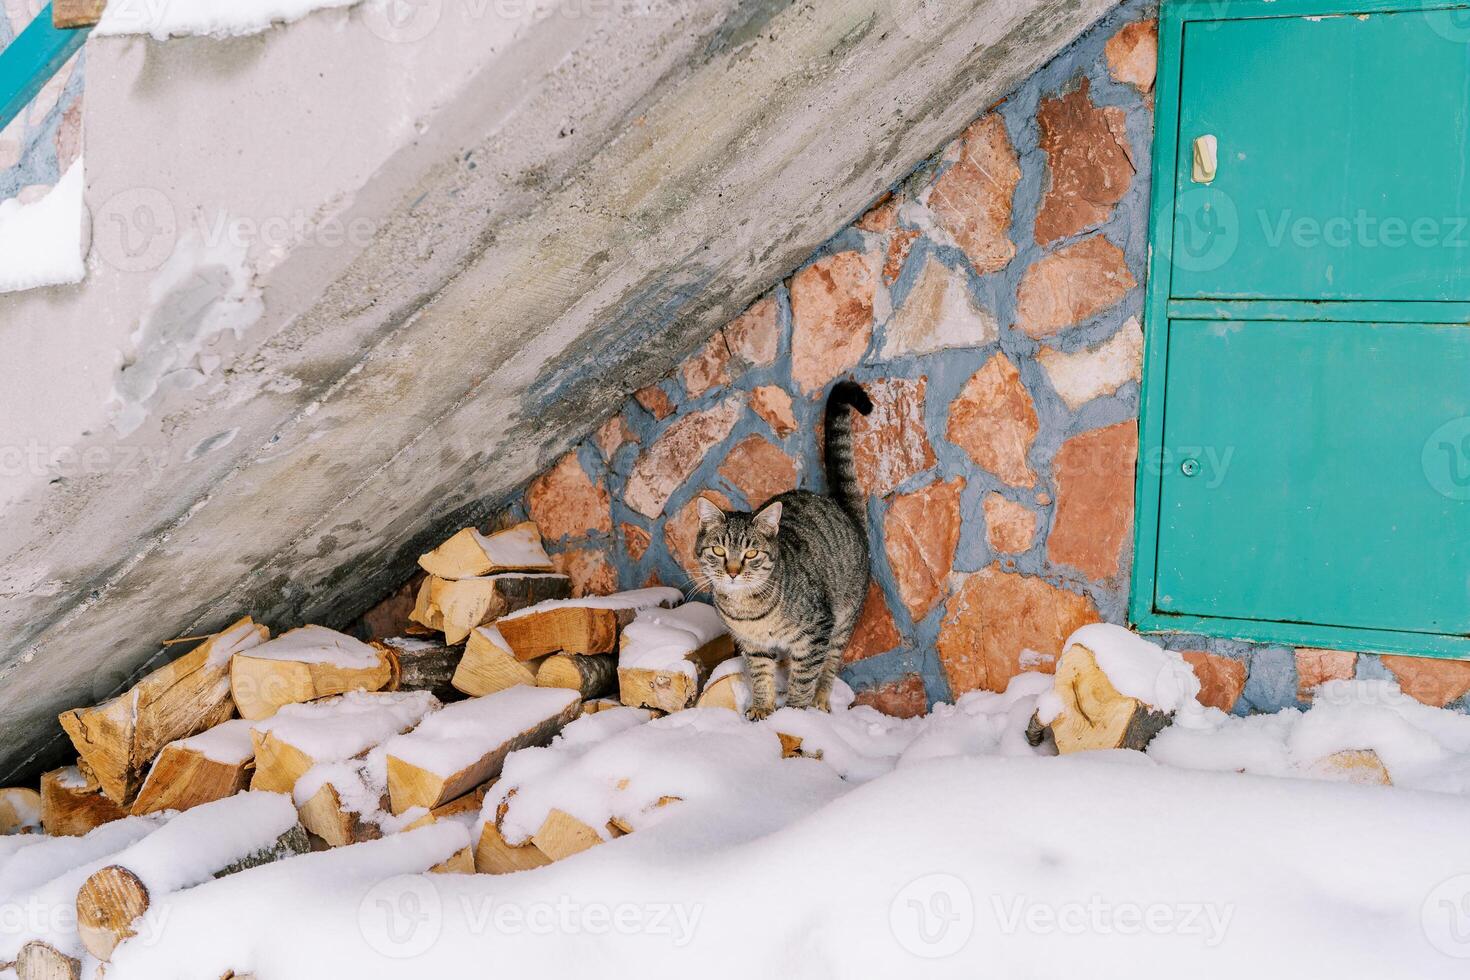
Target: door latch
column 1204, row 159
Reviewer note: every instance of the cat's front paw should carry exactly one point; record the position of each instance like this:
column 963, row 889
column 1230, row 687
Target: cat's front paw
column 759, row 712
column 823, row 701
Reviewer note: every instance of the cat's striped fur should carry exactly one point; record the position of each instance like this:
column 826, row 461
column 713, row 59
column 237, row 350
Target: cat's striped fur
column 790, row 579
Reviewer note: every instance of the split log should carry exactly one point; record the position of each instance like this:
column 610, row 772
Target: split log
column 489, row 666
column 470, row 554
column 20, row 810
column 199, row 769
column 493, row 856
column 724, row 688
column 586, row 625
column 307, row 664
column 1360, row 766
column 426, row 665
column 562, row 835
column 1094, row 714
column 210, row 841
column 455, row 607
column 603, row 704
column 301, row 736
column 465, row 744
column 118, row 739
column 72, row 805
column 461, row 863
column 324, row 815
column 590, row 676
column 666, row 656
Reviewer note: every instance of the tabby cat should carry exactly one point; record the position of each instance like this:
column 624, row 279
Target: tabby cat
column 789, row 580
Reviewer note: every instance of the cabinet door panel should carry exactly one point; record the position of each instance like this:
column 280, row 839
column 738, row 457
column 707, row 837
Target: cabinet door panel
column 1342, row 170
column 1316, row 473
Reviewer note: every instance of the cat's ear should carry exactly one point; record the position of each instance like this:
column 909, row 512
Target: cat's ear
column 768, row 518
column 710, row 515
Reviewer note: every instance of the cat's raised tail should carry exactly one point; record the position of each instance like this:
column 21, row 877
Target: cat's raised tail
column 842, row 482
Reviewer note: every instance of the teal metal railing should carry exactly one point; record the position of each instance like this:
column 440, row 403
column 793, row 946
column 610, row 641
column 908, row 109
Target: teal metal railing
column 29, row 61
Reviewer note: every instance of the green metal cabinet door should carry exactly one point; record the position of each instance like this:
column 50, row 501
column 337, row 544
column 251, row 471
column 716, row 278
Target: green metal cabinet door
column 1305, row 421
column 1342, row 170
column 1313, row 476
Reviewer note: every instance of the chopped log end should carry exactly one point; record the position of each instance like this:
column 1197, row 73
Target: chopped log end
column 183, row 778
column 107, row 904
column 457, row 607
column 493, row 856
column 721, row 694
column 487, row 667
column 561, row 629
column 20, row 810
column 72, row 806
column 1360, row 766
column 672, row 689
column 562, row 835
column 461, row 862
column 1094, row 714
column 261, row 686
column 38, row 961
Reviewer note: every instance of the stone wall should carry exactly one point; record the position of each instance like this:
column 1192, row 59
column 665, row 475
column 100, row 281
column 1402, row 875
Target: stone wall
column 991, row 306
column 40, row 143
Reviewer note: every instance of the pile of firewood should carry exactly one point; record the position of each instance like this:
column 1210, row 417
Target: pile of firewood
column 314, row 739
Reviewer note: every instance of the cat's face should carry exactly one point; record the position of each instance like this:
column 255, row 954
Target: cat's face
column 737, row 552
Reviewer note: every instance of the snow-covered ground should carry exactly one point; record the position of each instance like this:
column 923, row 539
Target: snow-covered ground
column 944, row 846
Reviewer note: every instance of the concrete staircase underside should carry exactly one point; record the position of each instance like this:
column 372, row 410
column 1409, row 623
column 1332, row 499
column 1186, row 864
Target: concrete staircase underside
column 539, row 217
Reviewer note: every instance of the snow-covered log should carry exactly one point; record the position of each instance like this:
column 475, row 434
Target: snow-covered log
column 456, row 606
column 665, row 656
column 118, row 739
column 425, row 665
column 199, row 769
column 301, row 736
column 72, row 805
column 1114, row 690
column 591, row 676
column 20, row 810
column 210, row 841
column 488, row 665
column 586, row 625
column 470, row 554
column 493, row 856
column 306, row 664
column 465, row 744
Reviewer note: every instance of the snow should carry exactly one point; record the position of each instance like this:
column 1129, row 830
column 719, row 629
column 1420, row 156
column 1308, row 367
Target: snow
column 26, row 812
column 410, row 644
column 1161, row 679
column 43, row 909
column 193, row 845
column 342, row 727
column 634, row 599
column 660, row 639
column 214, row 18
column 41, row 242
column 1421, row 747
column 361, row 785
column 227, row 743
column 462, row 733
column 319, row 645
column 49, row 857
column 245, row 636
column 516, row 547
column 311, row 915
column 71, row 778
column 954, row 867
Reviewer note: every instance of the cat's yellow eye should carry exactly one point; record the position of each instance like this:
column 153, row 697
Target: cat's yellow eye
column 719, row 551
column 751, row 553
